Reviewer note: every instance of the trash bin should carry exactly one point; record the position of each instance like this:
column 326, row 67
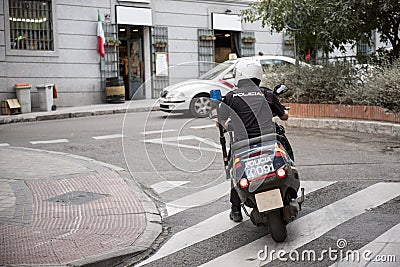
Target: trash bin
column 45, row 93
column 23, row 91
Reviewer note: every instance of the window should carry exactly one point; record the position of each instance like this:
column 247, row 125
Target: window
column 216, row 71
column 270, row 64
column 31, row 25
column 363, row 48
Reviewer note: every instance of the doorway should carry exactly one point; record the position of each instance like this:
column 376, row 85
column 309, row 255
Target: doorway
column 226, row 42
column 131, row 60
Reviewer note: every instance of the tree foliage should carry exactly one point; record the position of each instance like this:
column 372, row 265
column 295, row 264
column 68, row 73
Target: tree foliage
column 326, row 24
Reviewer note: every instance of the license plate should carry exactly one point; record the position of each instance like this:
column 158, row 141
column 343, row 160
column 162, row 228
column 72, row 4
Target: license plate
column 258, row 167
column 269, row 200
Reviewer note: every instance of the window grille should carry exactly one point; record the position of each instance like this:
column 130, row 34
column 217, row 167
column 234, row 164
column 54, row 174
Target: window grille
column 363, row 48
column 109, row 64
column 248, row 45
column 31, row 25
column 159, row 39
column 206, row 50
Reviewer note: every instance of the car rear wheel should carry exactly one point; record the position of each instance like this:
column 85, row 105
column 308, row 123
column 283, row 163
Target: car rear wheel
column 200, row 106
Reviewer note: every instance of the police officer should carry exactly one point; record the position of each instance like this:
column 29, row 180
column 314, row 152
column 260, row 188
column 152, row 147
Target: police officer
column 250, row 113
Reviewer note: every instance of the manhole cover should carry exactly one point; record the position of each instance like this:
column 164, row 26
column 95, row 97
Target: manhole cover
column 77, row 197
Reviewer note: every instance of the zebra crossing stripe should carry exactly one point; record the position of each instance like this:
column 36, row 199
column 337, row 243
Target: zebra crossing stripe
column 215, row 225
column 110, row 136
column 56, row 141
column 164, row 186
column 158, row 131
column 311, row 226
column 198, row 199
column 177, row 142
column 385, row 246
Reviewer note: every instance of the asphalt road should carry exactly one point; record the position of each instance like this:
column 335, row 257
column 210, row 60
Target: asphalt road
column 342, row 169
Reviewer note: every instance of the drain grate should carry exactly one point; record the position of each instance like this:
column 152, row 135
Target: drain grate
column 77, row 197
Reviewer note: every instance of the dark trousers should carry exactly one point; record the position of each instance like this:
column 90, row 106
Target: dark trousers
column 235, row 199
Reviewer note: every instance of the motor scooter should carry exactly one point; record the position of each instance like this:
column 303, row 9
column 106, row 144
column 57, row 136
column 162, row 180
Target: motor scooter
column 265, row 177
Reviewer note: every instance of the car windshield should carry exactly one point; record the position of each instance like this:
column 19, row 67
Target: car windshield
column 214, row 72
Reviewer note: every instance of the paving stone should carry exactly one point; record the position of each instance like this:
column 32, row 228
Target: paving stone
column 76, row 197
column 31, row 166
column 108, row 218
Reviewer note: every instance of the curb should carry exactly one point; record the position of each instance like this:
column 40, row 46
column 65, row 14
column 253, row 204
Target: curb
column 371, row 127
column 142, row 246
column 68, row 115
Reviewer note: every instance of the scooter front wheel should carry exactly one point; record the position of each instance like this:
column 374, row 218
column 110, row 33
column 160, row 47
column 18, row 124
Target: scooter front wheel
column 276, row 226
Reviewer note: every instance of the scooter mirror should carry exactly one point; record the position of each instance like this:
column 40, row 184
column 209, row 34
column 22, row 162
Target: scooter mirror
column 280, row 89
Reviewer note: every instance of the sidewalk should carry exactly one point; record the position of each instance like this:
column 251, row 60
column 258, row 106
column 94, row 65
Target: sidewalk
column 83, row 111
column 62, row 209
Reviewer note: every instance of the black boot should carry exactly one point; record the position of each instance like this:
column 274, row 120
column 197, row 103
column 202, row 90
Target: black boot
column 236, row 214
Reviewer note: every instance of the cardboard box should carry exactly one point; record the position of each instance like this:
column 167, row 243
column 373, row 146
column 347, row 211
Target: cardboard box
column 10, row 107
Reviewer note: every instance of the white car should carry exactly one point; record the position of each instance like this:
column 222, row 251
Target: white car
column 194, row 95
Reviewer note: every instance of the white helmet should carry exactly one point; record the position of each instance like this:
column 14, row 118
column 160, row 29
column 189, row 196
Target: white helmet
column 248, row 68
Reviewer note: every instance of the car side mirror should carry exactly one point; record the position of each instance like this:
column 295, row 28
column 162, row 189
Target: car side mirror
column 280, row 89
column 228, row 76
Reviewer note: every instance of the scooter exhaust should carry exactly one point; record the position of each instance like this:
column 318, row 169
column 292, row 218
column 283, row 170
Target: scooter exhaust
column 291, row 210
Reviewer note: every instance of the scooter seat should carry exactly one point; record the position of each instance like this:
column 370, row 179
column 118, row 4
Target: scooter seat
column 255, row 140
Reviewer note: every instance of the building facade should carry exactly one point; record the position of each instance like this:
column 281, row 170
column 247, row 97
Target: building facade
column 149, row 43
column 55, row 41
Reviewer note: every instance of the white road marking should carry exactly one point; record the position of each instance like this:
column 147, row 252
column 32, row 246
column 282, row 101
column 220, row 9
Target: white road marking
column 387, row 244
column 213, row 226
column 311, row 226
column 110, row 136
column 4, row 144
column 197, row 199
column 164, row 186
column 176, row 141
column 204, row 126
column 50, row 141
column 158, row 131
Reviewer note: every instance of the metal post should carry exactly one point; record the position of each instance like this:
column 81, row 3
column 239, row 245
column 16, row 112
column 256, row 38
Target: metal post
column 296, row 48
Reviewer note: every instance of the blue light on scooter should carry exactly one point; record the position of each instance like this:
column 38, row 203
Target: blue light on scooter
column 215, row 95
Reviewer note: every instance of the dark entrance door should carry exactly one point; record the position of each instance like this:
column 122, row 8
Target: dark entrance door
column 226, row 42
column 131, row 60
column 135, row 68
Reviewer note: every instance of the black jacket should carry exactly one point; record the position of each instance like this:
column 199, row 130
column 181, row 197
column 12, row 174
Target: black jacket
column 249, row 110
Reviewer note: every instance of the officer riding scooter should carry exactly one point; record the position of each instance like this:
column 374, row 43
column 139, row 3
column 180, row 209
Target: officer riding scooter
column 263, row 174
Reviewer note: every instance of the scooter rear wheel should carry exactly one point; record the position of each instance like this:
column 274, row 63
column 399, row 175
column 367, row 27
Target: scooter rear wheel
column 277, row 228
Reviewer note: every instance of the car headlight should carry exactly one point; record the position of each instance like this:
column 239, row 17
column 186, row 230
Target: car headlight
column 175, row 94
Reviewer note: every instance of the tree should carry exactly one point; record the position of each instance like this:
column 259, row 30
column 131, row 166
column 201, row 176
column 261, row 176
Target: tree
column 326, row 24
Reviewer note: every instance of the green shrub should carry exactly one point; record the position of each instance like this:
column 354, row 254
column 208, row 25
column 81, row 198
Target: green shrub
column 317, row 84
column 339, row 83
column 382, row 89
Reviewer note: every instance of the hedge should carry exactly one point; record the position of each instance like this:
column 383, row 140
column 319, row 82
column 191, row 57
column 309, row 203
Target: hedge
column 340, row 83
